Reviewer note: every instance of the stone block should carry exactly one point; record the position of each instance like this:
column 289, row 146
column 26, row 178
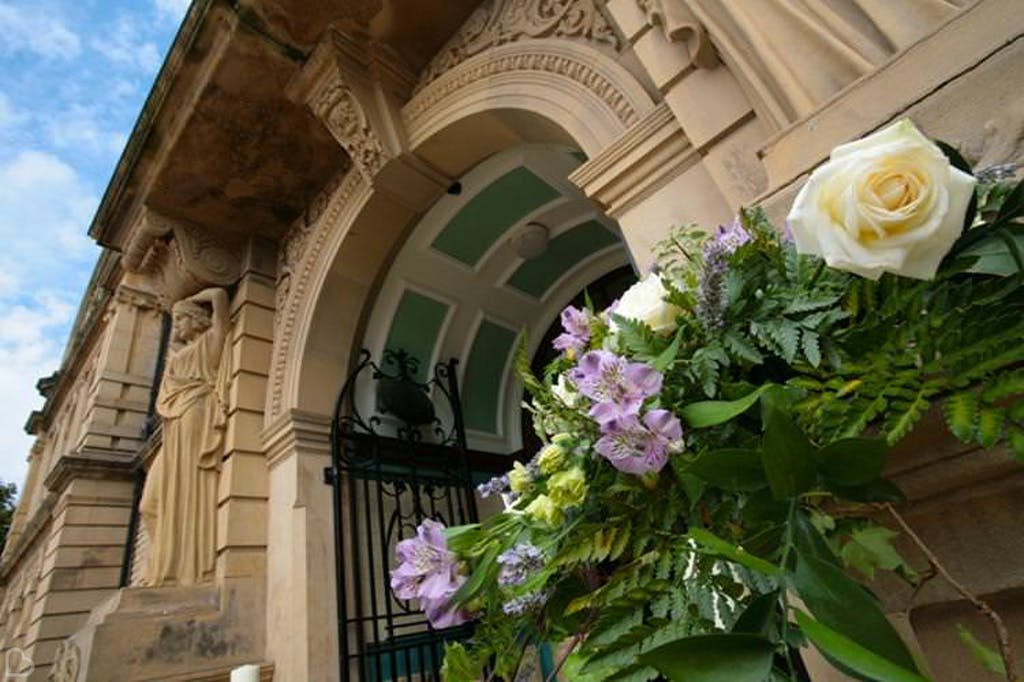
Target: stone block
column 90, row 515
column 83, row 578
column 242, row 522
column 630, row 18
column 88, row 557
column 241, row 562
column 249, row 354
column 90, row 536
column 243, row 475
column 664, row 61
column 256, row 290
column 254, row 321
column 73, row 601
column 723, row 105
column 243, row 432
column 248, row 392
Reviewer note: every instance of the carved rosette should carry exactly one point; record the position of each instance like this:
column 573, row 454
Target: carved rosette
column 498, row 22
column 67, row 662
column 341, row 112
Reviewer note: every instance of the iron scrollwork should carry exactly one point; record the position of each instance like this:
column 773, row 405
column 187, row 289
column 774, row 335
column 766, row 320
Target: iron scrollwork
column 390, row 470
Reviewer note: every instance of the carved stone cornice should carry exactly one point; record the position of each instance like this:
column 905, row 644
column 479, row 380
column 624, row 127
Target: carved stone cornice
column 648, row 155
column 95, row 466
column 498, row 22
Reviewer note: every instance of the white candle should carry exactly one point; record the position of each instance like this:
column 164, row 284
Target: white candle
column 246, row 673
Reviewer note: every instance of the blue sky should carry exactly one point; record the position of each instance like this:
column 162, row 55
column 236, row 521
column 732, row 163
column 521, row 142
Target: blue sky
column 73, row 77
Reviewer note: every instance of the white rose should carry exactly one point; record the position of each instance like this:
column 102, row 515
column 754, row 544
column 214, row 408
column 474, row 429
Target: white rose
column 645, row 301
column 564, row 390
column 890, row 202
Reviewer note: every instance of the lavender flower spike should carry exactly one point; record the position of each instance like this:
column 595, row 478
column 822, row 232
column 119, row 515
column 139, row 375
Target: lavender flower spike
column 518, row 563
column 711, row 289
column 618, row 387
column 640, row 447
column 528, row 602
column 428, row 571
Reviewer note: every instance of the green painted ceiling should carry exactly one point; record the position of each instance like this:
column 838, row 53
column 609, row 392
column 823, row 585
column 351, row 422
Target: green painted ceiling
column 415, row 328
column 492, row 211
column 481, row 382
column 535, row 277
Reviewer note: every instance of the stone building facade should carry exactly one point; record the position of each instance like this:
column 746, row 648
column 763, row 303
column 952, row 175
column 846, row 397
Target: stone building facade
column 363, row 173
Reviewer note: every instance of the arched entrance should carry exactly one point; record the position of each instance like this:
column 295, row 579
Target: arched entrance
column 565, row 105
column 485, row 272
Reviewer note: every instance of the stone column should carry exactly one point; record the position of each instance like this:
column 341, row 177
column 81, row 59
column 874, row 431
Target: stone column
column 302, row 625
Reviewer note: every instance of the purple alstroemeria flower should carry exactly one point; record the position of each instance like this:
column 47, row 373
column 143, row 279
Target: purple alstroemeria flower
column 576, row 324
column 640, row 447
column 617, row 387
column 428, row 571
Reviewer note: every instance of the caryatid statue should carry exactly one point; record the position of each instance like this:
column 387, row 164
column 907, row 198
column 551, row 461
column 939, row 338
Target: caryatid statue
column 179, row 503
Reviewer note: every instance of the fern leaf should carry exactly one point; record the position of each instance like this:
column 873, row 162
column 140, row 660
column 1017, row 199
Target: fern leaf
column 1016, row 439
column 990, row 426
column 911, row 413
column 812, row 351
column 1004, row 386
column 737, row 344
column 961, row 412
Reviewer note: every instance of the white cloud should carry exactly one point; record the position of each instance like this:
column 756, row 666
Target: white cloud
column 33, row 31
column 45, row 208
column 125, row 46
column 28, row 351
column 79, row 127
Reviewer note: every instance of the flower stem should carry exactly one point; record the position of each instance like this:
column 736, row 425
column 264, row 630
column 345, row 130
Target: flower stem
column 1002, row 634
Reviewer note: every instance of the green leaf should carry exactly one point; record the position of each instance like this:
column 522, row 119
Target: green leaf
column 808, row 540
column 760, row 617
column 732, row 552
column 990, row 427
column 852, row 461
column 485, row 571
column 852, row 655
column 955, row 157
column 731, row 469
column 639, row 338
column 961, row 412
column 789, row 458
column 741, row 347
column 848, row 608
column 995, row 254
column 1013, row 205
column 668, row 356
column 713, row 658
column 692, row 486
column 870, row 548
column 459, row 665
column 989, row 659
column 714, row 412
column 812, row 351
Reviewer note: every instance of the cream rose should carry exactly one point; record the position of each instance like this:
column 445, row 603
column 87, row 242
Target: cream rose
column 645, row 301
column 890, row 202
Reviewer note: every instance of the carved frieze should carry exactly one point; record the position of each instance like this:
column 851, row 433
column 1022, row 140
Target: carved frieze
column 498, row 22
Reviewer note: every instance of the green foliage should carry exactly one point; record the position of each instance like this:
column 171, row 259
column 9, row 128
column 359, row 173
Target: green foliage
column 686, row 573
column 988, row 658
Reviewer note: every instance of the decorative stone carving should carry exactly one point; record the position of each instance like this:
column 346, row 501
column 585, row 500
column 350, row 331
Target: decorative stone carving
column 294, row 285
column 341, row 112
column 680, row 24
column 179, row 503
column 67, row 662
column 498, row 22
column 180, row 257
column 559, row 64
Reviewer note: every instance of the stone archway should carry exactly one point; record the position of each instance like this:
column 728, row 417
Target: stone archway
column 404, row 157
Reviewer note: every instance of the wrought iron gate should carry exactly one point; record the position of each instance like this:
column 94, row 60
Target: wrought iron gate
column 389, row 471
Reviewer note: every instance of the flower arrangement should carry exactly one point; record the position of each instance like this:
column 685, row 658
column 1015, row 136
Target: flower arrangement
column 715, row 440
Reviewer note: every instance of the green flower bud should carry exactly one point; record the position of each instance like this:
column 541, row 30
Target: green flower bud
column 544, row 510
column 519, row 479
column 568, row 488
column 551, row 459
